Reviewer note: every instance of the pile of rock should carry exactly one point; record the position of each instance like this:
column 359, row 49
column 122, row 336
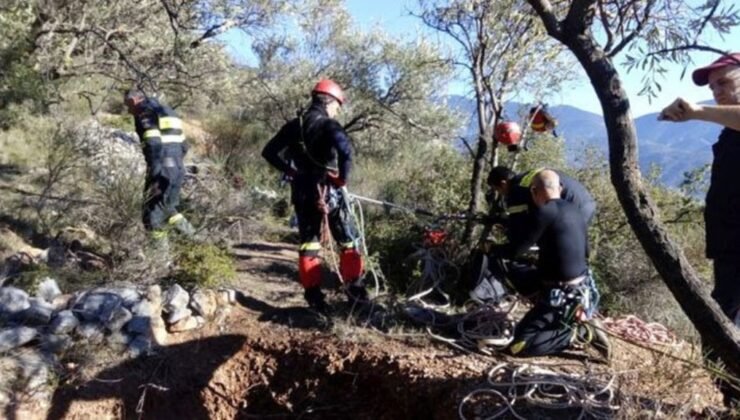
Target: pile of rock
column 132, row 319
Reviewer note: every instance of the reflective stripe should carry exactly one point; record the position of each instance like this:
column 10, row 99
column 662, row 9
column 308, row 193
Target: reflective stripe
column 152, row 132
column 170, row 138
column 348, row 245
column 175, row 219
column 517, row 347
column 527, row 179
column 158, row 234
column 166, row 123
column 517, row 209
column 310, row 246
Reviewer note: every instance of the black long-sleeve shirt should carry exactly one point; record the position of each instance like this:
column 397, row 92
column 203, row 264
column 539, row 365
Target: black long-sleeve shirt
column 559, row 230
column 327, row 146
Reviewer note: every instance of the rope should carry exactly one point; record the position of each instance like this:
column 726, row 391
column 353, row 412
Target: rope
column 509, row 386
column 633, row 328
column 326, row 237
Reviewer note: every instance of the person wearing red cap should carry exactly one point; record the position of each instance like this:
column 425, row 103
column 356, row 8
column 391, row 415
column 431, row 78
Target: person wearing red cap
column 722, row 211
column 314, row 151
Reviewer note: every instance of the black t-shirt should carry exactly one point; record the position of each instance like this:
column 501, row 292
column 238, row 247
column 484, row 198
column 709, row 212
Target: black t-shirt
column 722, row 214
column 559, row 230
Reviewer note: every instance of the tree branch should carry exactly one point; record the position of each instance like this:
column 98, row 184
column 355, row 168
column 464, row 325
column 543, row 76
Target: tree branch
column 543, row 8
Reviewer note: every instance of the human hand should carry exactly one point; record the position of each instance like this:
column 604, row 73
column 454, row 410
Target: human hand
column 680, row 110
column 335, row 180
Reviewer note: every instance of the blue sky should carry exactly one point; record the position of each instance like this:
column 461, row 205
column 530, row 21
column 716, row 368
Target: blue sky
column 392, row 16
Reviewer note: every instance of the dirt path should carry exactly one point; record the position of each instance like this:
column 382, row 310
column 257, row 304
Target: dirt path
column 272, row 358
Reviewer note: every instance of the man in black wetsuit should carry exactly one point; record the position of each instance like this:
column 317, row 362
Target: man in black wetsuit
column 568, row 294
column 314, row 151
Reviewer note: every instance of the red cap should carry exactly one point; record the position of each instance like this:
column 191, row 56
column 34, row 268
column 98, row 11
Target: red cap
column 701, row 76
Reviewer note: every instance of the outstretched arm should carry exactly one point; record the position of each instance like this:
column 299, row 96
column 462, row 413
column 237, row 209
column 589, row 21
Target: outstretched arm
column 682, row 110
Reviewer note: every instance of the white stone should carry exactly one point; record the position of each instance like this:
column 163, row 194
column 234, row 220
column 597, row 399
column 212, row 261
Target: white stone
column 15, row 337
column 175, row 298
column 13, row 300
column 48, row 289
column 64, row 323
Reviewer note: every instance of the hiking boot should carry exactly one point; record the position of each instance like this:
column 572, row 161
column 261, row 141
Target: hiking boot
column 315, row 299
column 592, row 332
column 356, row 292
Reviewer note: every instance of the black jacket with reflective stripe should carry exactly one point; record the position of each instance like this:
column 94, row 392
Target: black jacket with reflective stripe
column 722, row 213
column 160, row 132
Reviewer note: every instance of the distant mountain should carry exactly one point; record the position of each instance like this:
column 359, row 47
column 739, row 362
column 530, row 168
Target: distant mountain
column 676, row 148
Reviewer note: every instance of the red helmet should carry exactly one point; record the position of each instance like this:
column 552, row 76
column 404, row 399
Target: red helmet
column 329, row 87
column 507, row 132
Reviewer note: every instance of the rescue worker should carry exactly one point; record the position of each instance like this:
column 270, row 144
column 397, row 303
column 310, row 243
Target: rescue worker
column 518, row 208
column 515, row 191
column 313, row 150
column 568, row 295
column 722, row 211
column 161, row 135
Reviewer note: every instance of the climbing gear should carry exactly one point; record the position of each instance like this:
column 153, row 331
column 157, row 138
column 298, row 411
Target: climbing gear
column 331, row 88
column 508, row 133
column 541, row 120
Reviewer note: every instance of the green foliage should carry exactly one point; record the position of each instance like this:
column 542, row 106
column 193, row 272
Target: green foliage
column 204, row 265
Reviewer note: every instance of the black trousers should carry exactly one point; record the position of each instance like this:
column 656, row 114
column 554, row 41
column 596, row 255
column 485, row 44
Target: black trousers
column 162, row 192
column 727, row 287
column 305, row 197
column 727, row 294
column 543, row 330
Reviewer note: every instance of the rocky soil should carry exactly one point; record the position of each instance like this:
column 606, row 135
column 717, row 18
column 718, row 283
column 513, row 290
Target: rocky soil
column 258, row 353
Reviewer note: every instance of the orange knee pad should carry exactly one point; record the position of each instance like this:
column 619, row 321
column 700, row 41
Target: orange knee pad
column 309, row 271
column 350, row 265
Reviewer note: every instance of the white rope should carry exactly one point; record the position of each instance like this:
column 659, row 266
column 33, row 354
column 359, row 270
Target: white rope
column 537, row 387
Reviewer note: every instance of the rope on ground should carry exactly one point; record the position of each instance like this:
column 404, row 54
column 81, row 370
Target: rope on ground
column 510, row 386
column 484, row 329
column 633, row 328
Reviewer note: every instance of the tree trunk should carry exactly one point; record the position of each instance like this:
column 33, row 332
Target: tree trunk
column 713, row 326
column 479, row 164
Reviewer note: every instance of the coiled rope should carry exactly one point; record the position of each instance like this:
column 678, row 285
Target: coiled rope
column 509, row 386
column 633, row 328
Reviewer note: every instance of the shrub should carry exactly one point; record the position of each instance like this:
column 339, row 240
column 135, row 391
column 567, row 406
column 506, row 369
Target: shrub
column 204, row 265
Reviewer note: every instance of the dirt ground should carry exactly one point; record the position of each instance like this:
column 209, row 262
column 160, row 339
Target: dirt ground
column 272, row 358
